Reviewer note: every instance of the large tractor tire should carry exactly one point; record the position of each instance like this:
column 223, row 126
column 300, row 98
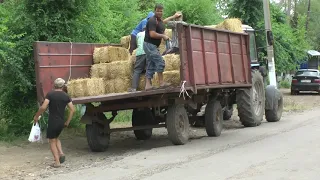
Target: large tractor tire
column 142, row 118
column 98, row 140
column 251, row 102
column 214, row 118
column 178, row 124
column 274, row 104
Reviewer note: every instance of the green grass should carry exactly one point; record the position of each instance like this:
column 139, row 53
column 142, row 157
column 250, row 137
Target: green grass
column 286, row 84
column 123, row 116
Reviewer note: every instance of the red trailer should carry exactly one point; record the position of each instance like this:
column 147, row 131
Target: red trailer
column 215, row 66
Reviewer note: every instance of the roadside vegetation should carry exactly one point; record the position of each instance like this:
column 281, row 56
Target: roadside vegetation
column 100, row 21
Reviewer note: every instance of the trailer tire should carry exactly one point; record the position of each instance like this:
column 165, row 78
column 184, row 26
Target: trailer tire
column 142, row 118
column 178, row 124
column 227, row 114
column 274, row 114
column 97, row 139
column 214, row 118
column 251, row 102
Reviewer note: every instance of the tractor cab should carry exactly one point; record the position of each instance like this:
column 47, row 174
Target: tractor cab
column 253, row 48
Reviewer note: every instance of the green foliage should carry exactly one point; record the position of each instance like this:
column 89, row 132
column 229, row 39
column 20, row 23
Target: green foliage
column 290, row 44
column 201, row 13
column 249, row 11
column 286, row 84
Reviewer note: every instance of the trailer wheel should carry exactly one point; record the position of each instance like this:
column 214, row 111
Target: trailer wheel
column 97, row 139
column 251, row 102
column 214, row 118
column 274, row 114
column 178, row 124
column 142, row 118
column 227, row 114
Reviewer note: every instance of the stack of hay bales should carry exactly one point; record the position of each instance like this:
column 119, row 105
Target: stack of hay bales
column 171, row 72
column 110, row 73
column 232, row 24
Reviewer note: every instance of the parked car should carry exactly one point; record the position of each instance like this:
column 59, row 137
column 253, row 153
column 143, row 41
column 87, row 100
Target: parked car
column 305, row 80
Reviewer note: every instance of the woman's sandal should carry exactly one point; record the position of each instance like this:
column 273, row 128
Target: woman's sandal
column 62, row 159
column 54, row 165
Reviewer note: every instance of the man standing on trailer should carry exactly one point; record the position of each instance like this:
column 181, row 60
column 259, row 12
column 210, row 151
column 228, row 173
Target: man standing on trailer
column 140, row 62
column 56, row 100
column 154, row 33
column 137, row 29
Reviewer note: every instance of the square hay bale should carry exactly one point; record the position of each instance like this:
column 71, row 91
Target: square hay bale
column 142, row 83
column 95, row 87
column 112, row 70
column 125, row 41
column 109, row 54
column 118, row 85
column 133, row 56
column 172, row 77
column 162, row 47
column 168, row 32
column 233, row 24
column 172, row 62
column 77, row 87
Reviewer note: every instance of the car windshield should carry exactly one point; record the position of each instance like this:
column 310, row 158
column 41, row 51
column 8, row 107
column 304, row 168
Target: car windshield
column 307, row 73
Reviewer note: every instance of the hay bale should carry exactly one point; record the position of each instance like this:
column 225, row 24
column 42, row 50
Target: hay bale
column 233, row 24
column 220, row 26
column 77, row 87
column 172, row 77
column 109, row 54
column 133, row 56
column 117, row 85
column 125, row 41
column 86, row 87
column 172, row 62
column 142, row 83
column 162, row 47
column 168, row 32
column 95, row 86
column 112, row 70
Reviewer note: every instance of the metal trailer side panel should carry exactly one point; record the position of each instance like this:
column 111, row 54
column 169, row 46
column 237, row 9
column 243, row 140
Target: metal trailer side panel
column 211, row 58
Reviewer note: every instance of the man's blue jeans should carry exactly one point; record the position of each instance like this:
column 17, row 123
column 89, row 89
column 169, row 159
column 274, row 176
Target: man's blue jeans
column 155, row 62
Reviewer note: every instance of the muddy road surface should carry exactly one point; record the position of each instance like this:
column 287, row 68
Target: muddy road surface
column 289, row 149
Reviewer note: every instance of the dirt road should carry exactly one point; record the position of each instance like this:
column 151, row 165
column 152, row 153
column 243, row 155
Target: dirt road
column 283, row 148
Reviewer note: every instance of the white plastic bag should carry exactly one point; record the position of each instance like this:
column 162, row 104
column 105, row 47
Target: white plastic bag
column 35, row 134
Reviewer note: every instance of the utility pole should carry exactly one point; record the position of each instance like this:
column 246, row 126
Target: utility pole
column 308, row 15
column 271, row 64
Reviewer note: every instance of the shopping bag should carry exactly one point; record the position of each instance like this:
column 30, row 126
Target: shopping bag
column 35, row 134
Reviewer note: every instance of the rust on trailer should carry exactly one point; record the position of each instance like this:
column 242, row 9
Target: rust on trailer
column 210, row 59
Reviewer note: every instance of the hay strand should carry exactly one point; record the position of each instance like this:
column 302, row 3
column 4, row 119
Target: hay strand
column 109, row 54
